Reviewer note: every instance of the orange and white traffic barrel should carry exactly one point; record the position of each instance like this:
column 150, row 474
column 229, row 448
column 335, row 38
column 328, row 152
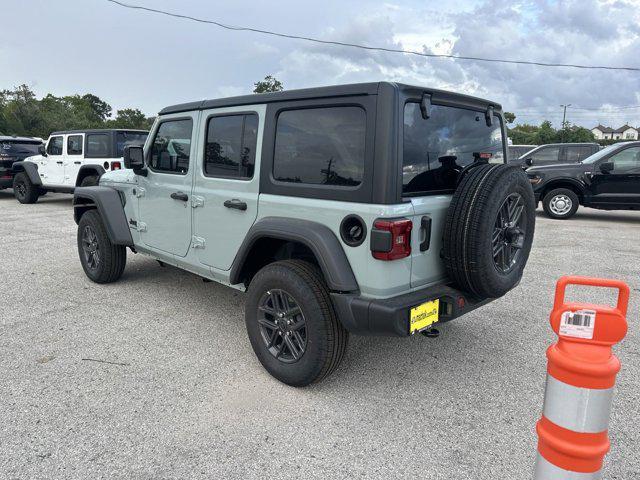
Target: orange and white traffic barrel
column 573, row 434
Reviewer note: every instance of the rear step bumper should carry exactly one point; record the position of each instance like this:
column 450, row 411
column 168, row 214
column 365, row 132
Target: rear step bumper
column 390, row 316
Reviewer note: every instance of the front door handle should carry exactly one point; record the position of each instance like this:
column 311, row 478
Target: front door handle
column 235, row 203
column 59, row 163
column 180, row 196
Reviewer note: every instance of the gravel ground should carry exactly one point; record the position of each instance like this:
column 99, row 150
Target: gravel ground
column 154, row 377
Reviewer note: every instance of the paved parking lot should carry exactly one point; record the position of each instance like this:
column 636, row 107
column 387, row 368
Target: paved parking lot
column 154, row 377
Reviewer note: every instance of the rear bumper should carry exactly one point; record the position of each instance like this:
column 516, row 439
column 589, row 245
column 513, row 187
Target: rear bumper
column 6, row 181
column 390, row 316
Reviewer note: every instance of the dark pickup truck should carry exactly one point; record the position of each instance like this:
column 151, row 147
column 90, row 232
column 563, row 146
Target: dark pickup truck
column 608, row 180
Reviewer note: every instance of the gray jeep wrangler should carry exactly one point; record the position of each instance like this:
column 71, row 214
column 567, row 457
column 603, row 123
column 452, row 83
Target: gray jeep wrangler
column 375, row 208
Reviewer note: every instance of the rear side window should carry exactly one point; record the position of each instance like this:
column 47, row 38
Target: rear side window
column 437, row 148
column 97, row 145
column 171, row 147
column 124, row 139
column 546, row 155
column 74, row 145
column 230, row 150
column 320, row 146
column 55, row 146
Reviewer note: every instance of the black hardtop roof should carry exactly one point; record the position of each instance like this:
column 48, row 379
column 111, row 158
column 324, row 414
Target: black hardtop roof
column 99, row 130
column 354, row 89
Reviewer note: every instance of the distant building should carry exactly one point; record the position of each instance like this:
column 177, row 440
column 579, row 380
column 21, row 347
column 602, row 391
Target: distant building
column 623, row 133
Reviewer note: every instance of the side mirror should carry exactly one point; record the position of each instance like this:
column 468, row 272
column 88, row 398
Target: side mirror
column 42, row 150
column 607, row 167
column 529, row 161
column 134, row 157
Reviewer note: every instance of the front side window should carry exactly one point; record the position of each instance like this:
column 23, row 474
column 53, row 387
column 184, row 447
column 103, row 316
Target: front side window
column 97, row 145
column 437, row 148
column 546, row 155
column 230, row 150
column 627, row 161
column 74, row 145
column 124, row 139
column 55, row 146
column 320, row 146
column 171, row 147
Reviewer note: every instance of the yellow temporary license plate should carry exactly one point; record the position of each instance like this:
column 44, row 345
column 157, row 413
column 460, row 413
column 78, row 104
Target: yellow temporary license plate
column 424, row 315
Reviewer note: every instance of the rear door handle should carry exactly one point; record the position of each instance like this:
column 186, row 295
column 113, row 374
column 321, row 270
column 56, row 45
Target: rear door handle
column 180, row 196
column 59, row 163
column 77, row 163
column 235, row 203
column 425, row 227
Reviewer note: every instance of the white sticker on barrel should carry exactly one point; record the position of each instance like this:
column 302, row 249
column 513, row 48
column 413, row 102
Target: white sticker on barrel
column 578, row 324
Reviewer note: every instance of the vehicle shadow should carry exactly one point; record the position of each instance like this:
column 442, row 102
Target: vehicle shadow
column 600, row 216
column 7, row 195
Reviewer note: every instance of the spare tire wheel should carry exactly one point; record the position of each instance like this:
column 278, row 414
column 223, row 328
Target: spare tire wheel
column 489, row 230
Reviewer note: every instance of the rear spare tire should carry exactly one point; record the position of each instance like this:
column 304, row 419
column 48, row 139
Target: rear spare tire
column 489, row 230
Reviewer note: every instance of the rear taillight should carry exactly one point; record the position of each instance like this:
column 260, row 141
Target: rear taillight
column 391, row 239
column 116, row 165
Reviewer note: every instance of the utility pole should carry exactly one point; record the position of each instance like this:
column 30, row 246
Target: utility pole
column 564, row 119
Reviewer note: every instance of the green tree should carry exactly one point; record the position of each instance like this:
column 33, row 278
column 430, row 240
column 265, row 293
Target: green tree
column 130, row 118
column 100, row 108
column 269, row 84
column 509, row 117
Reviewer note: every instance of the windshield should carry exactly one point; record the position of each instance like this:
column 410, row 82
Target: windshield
column 124, row 139
column 437, row 148
column 602, row 153
column 13, row 147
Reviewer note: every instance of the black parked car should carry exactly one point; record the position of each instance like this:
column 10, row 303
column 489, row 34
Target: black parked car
column 608, row 180
column 516, row 151
column 14, row 149
column 554, row 153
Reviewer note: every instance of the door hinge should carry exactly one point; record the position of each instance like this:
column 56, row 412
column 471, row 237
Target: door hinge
column 141, row 227
column 197, row 242
column 139, row 192
column 197, row 201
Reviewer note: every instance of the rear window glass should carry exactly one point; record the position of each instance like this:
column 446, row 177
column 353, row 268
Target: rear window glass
column 124, row 139
column 437, row 148
column 12, row 147
column 74, row 145
column 230, row 150
column 97, row 145
column 320, row 146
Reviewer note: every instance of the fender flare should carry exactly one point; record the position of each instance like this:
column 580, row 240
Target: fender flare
column 86, row 171
column 30, row 168
column 109, row 205
column 317, row 237
column 552, row 183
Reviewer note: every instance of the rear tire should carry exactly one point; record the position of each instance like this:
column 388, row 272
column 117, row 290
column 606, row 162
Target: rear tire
column 24, row 190
column 102, row 261
column 322, row 339
column 560, row 203
column 489, row 230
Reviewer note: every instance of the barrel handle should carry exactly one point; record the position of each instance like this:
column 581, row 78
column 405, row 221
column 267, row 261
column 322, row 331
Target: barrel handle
column 622, row 287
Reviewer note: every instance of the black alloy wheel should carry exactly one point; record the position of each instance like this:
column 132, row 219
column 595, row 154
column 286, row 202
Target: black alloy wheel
column 90, row 248
column 282, row 326
column 508, row 233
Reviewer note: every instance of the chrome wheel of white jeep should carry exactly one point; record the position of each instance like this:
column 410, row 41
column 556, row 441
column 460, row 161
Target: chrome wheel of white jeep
column 560, row 205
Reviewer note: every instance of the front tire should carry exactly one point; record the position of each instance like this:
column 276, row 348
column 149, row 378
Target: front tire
column 560, row 203
column 102, row 261
column 292, row 325
column 24, row 190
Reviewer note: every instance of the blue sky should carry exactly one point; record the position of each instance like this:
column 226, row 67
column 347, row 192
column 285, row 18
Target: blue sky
column 148, row 61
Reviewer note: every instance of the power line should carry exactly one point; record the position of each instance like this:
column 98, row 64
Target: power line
column 366, row 47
